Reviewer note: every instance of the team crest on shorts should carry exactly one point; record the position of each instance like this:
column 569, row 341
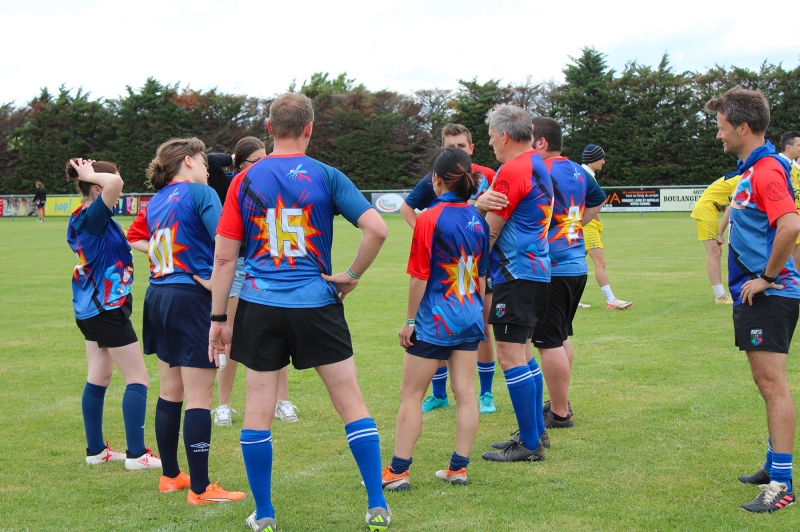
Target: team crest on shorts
column 500, row 310
column 756, row 336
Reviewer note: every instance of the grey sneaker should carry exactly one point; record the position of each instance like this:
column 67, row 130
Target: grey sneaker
column 378, row 518
column 265, row 524
column 222, row 415
column 759, row 477
column 774, row 496
column 515, row 451
column 544, row 438
column 551, row 422
column 546, row 407
column 285, row 411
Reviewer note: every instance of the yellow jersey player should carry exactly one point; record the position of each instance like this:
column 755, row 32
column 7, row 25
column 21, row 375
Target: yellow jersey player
column 790, row 149
column 714, row 200
column 593, row 160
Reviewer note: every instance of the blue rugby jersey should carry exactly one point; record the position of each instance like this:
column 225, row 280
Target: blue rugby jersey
column 573, row 191
column 450, row 250
column 763, row 195
column 102, row 279
column 180, row 222
column 521, row 250
column 282, row 210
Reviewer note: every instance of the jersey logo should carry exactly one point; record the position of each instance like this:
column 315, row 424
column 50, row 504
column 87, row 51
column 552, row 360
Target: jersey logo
column 462, row 276
column 439, row 317
column 568, row 224
column 163, row 251
column 297, row 174
column 475, row 225
column 756, row 336
column 576, row 176
column 776, row 192
column 174, row 195
column 500, row 310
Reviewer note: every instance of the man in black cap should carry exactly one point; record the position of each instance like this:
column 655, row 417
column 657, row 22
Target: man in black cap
column 593, row 160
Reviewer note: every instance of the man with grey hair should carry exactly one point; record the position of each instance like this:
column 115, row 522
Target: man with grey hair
column 520, row 269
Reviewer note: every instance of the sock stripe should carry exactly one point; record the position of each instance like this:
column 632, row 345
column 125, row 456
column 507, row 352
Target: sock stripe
column 536, row 372
column 365, row 433
column 519, row 379
column 486, row 370
column 440, row 377
column 266, row 440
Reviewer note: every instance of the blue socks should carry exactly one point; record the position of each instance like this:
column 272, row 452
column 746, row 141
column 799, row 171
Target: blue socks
column 522, row 389
column 768, row 461
column 134, row 406
column 92, row 406
column 457, row 461
column 400, row 465
column 257, row 453
column 538, row 380
column 362, row 436
column 439, row 383
column 197, row 440
column 781, row 469
column 168, row 428
column 486, row 376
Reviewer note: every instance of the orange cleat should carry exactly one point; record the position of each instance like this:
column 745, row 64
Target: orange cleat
column 214, row 494
column 168, row 484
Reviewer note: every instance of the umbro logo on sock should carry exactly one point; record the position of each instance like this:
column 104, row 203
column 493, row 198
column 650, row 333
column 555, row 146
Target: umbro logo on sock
column 201, row 447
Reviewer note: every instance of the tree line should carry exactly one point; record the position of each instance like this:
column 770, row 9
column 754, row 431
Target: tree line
column 649, row 120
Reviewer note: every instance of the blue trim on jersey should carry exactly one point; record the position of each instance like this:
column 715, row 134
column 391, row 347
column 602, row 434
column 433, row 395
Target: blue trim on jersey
column 422, row 195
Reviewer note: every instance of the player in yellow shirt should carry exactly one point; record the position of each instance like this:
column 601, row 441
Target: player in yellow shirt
column 790, row 149
column 713, row 201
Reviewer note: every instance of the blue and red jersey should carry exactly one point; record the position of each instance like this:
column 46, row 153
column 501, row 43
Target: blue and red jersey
column 573, row 191
column 282, row 209
column 180, row 222
column 102, row 279
column 521, row 250
column 450, row 250
column 423, row 194
column 763, row 195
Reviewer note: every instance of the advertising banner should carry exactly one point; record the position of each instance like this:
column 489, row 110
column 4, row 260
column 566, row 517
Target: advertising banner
column 388, row 202
column 61, row 205
column 633, row 200
column 680, row 199
column 142, row 203
column 131, row 205
column 22, row 206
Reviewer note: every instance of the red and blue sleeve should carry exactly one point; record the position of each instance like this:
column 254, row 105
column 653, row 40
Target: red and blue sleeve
column 514, row 181
column 419, row 258
column 230, row 223
column 138, row 229
column 772, row 192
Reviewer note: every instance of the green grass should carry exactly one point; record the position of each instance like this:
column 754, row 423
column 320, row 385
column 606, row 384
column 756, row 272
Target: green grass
column 666, row 413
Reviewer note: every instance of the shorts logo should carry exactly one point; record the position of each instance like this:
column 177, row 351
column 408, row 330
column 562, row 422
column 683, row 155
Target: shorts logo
column 500, row 310
column 756, row 336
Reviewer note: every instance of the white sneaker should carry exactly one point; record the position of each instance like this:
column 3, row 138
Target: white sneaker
column 265, row 524
column 106, row 455
column 285, row 411
column 584, row 305
column 147, row 461
column 618, row 304
column 222, row 415
column 724, row 299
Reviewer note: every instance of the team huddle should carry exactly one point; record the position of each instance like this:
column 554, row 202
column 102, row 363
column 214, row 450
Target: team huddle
column 496, row 263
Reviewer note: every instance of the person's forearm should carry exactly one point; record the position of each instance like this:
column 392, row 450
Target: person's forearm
column 416, row 290
column 374, row 236
column 590, row 213
column 221, row 282
column 409, row 214
column 782, row 247
column 725, row 219
column 141, row 245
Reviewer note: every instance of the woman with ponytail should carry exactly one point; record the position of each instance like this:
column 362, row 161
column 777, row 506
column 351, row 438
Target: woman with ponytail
column 177, row 231
column 444, row 320
column 101, row 298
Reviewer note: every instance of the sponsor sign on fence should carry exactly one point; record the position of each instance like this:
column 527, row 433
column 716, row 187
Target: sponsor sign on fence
column 632, row 200
column 680, row 199
column 388, row 202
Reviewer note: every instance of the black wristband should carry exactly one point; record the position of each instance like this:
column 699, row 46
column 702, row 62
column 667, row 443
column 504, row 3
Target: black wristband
column 767, row 278
column 219, row 317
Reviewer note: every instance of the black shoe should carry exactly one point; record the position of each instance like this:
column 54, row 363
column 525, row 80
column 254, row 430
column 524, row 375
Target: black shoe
column 773, row 496
column 544, row 438
column 551, row 422
column 515, row 451
column 546, row 407
column 759, row 477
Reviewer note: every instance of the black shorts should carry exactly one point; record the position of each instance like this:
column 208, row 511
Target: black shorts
column 175, row 325
column 766, row 326
column 425, row 349
column 110, row 328
column 517, row 306
column 565, row 294
column 267, row 338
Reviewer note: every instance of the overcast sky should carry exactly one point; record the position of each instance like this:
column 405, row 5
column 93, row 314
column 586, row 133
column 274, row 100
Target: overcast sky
column 258, row 47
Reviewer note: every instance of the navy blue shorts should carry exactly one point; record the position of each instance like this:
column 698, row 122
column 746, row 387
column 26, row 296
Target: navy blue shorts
column 424, row 349
column 175, row 324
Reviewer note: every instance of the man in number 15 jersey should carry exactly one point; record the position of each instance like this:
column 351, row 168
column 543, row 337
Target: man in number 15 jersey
column 281, row 209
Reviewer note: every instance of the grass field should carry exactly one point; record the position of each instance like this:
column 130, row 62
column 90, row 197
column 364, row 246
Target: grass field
column 666, row 414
